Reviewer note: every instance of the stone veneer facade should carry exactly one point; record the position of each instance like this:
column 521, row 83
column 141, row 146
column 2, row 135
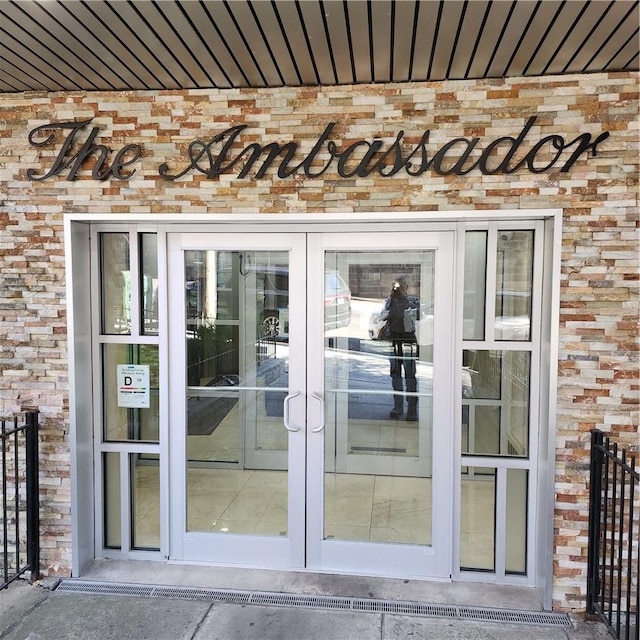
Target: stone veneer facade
column 598, row 333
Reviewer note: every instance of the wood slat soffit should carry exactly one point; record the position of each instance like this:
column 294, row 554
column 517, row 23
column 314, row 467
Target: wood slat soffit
column 67, row 45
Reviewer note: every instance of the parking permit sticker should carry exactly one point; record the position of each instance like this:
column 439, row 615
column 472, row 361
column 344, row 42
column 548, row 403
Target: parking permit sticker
column 133, row 386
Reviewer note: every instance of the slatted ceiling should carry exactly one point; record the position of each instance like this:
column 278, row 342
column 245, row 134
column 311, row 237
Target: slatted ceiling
column 116, row 71
column 580, row 32
column 215, row 54
column 146, row 44
column 466, row 36
column 180, row 36
column 293, row 28
column 425, row 29
column 446, row 35
column 283, row 29
column 22, row 42
column 112, row 34
column 507, row 26
column 404, row 33
column 323, row 65
column 230, row 43
column 559, row 28
column 357, row 22
column 382, row 16
column 339, row 41
column 612, row 21
column 19, row 54
column 204, row 42
column 619, row 47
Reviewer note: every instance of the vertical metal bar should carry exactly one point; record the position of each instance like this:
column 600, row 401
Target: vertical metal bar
column 620, row 539
column 632, row 497
column 612, row 556
column 595, row 511
column 5, row 547
column 604, row 521
column 33, row 495
column 16, row 493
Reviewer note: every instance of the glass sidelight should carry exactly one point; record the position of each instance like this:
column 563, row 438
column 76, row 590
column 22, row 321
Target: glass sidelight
column 499, row 391
column 128, row 432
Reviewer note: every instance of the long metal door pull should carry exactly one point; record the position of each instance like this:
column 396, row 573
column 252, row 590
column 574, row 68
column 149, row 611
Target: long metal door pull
column 318, row 396
column 287, row 400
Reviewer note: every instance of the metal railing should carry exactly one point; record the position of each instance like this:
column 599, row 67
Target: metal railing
column 614, row 532
column 20, row 499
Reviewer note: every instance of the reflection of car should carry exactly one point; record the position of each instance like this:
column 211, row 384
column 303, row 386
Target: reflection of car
column 270, row 289
column 513, row 324
column 337, row 300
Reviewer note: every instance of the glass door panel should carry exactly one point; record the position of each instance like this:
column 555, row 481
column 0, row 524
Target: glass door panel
column 301, row 435
column 379, row 367
column 234, row 337
column 378, row 387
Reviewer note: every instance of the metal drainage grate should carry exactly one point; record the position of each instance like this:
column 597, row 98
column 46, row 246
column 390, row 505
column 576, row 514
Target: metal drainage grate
column 104, row 588
column 407, row 608
column 480, row 614
column 292, row 600
column 545, row 618
column 191, row 593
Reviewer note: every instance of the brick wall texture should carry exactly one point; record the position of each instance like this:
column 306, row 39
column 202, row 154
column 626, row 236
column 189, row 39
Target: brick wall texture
column 598, row 332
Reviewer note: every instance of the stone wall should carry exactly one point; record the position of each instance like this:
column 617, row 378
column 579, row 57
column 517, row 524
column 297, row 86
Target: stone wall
column 598, row 376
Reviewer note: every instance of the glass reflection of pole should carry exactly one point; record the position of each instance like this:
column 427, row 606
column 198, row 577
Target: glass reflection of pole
column 199, row 306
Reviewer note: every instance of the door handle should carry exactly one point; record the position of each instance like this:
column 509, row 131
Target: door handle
column 287, row 400
column 318, row 396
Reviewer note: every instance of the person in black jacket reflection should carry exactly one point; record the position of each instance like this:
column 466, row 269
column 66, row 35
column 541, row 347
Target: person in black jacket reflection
column 402, row 312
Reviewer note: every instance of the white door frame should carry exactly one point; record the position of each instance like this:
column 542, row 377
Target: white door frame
column 230, row 548
column 81, row 368
column 380, row 558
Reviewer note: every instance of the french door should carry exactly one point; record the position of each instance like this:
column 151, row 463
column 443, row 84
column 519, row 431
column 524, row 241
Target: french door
column 301, row 434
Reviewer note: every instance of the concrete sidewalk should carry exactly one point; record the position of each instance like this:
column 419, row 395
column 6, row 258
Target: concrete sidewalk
column 37, row 613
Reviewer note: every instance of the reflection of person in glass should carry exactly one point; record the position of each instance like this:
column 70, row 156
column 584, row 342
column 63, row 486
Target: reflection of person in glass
column 402, row 312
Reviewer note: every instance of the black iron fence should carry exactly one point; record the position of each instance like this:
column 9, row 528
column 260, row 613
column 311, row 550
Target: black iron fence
column 614, row 532
column 20, row 499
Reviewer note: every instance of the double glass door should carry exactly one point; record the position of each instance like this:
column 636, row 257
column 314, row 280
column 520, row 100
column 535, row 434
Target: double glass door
column 311, row 401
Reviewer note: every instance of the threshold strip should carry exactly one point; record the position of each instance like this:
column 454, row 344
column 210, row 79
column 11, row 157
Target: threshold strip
column 365, row 605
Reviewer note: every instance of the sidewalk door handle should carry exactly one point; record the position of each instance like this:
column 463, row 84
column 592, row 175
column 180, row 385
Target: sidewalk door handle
column 318, row 396
column 287, row 400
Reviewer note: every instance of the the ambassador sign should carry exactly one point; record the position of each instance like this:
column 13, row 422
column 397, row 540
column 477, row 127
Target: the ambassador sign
column 222, row 154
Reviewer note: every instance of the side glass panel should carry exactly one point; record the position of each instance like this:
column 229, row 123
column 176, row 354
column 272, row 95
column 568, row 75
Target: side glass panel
column 478, row 519
column 149, row 283
column 378, row 385
column 516, row 533
column 514, row 279
column 496, row 402
column 111, row 500
column 115, row 272
column 475, row 273
column 237, row 324
column 130, row 392
column 145, row 501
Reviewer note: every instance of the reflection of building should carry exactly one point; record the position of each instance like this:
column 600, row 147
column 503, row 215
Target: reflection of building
column 531, row 265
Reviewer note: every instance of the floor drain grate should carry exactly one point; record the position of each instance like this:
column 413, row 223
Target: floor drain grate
column 369, row 605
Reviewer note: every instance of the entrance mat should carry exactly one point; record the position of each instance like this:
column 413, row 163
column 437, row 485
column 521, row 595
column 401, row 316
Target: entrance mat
column 205, row 414
column 423, row 609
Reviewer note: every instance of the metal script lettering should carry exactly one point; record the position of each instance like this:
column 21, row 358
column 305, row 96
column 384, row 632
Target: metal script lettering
column 362, row 158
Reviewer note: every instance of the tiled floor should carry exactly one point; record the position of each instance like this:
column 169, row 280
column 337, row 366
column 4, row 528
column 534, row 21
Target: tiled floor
column 365, row 506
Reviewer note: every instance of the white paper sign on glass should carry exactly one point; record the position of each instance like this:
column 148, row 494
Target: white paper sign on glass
column 133, row 386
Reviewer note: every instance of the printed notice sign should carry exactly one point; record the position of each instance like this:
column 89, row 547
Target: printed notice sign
column 133, row 386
